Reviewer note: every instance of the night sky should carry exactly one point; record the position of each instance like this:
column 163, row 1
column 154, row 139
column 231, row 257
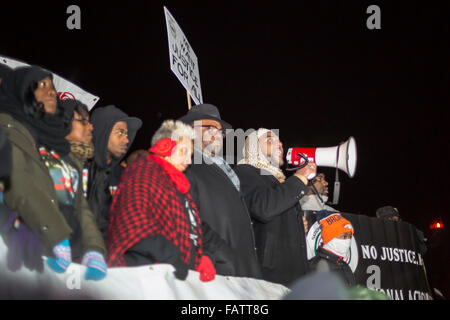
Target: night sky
column 314, row 71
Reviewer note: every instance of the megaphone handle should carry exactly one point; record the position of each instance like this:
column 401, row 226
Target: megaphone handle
column 336, row 190
column 304, row 157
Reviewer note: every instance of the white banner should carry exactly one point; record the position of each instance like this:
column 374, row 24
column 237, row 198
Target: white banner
column 155, row 282
column 65, row 88
column 183, row 61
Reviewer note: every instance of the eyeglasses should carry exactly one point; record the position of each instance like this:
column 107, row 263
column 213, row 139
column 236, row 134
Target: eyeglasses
column 213, row 130
column 85, row 122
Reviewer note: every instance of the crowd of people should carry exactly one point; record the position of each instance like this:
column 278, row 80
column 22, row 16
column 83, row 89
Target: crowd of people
column 68, row 193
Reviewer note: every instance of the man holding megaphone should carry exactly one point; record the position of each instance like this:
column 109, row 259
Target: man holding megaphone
column 273, row 203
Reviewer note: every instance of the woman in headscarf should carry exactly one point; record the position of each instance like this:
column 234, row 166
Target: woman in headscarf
column 153, row 218
column 44, row 188
column 273, row 203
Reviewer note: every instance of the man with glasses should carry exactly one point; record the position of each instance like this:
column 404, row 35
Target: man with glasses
column 215, row 187
column 114, row 133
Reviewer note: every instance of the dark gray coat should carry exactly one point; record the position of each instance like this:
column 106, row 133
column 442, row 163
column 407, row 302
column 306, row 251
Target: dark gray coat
column 278, row 224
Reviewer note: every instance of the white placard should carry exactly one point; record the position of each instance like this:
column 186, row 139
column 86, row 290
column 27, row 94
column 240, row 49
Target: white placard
column 65, row 88
column 183, row 61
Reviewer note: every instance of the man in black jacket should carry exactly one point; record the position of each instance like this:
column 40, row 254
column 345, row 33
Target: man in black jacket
column 215, row 188
column 114, row 132
column 273, row 202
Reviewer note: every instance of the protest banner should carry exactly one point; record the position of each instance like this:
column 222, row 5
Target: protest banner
column 65, row 88
column 384, row 255
column 183, row 61
column 156, row 282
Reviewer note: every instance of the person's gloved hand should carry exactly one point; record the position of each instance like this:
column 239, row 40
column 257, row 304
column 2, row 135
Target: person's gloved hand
column 206, row 269
column 24, row 246
column 96, row 266
column 181, row 270
column 63, row 257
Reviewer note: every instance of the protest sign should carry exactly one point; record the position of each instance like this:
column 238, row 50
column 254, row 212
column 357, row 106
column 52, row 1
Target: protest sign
column 183, row 61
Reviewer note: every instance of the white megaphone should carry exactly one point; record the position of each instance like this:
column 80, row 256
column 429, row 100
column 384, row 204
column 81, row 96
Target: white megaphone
column 342, row 157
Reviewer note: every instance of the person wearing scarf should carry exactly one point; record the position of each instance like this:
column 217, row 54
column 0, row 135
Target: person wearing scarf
column 43, row 191
column 334, row 251
column 273, row 203
column 82, row 149
column 153, row 218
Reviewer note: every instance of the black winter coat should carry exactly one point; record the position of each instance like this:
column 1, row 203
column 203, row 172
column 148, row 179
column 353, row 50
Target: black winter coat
column 278, row 224
column 335, row 264
column 227, row 226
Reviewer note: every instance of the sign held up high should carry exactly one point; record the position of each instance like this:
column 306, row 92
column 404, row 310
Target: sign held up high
column 183, row 61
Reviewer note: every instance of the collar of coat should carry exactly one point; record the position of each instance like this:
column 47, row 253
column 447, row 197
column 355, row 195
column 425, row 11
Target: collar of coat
column 326, row 254
column 178, row 178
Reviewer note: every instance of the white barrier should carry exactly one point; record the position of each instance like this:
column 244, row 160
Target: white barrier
column 155, row 282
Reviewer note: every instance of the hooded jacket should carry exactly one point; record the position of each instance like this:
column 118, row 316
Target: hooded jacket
column 101, row 175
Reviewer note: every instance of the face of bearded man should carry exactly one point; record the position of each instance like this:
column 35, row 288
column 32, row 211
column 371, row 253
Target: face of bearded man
column 321, row 184
column 208, row 136
column 272, row 148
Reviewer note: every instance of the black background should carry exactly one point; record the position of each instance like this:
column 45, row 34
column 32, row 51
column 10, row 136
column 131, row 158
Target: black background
column 313, row 70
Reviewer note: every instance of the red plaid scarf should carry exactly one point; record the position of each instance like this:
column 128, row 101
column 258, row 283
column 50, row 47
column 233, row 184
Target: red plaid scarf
column 147, row 204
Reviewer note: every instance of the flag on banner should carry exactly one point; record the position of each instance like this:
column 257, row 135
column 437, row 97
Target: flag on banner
column 183, row 61
column 65, row 88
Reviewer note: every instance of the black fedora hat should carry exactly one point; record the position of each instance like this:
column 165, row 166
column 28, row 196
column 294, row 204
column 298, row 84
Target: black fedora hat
column 203, row 112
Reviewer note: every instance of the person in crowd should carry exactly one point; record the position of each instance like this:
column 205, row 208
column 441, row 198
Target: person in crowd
column 315, row 200
column 334, row 251
column 317, row 196
column 153, row 217
column 133, row 156
column 114, row 133
column 318, row 286
column 80, row 137
column 388, row 213
column 44, row 190
column 82, row 149
column 215, row 188
column 273, row 203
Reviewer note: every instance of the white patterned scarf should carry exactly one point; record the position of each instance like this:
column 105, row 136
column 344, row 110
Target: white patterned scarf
column 255, row 157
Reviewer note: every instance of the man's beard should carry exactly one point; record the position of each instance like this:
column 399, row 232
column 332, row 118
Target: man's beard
column 212, row 149
column 275, row 161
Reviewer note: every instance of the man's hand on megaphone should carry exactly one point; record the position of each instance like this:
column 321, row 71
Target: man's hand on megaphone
column 307, row 173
